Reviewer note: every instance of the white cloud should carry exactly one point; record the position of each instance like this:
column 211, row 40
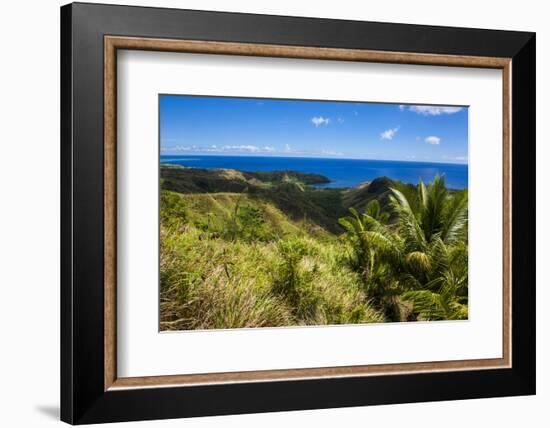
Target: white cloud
column 434, row 110
column 432, row 139
column 402, row 107
column 455, row 158
column 242, row 148
column 331, row 153
column 250, row 149
column 388, row 134
column 176, row 148
column 340, row 120
column 320, row 120
column 247, row 148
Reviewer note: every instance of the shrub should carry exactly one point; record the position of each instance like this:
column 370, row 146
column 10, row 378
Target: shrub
column 251, row 225
column 172, row 209
column 287, row 277
column 319, row 290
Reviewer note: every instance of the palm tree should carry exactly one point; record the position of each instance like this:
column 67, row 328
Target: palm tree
column 433, row 223
column 376, row 253
column 422, row 258
column 430, row 213
column 369, row 236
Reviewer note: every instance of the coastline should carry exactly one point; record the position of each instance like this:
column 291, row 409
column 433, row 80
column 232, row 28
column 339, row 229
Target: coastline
column 341, row 173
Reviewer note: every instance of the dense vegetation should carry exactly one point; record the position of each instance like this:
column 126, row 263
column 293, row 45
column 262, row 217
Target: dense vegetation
column 255, row 249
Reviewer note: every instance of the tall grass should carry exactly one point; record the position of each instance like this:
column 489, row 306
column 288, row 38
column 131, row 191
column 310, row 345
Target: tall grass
column 212, row 280
column 237, row 260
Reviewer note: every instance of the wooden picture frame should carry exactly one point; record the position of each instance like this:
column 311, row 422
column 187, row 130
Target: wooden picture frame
column 91, row 390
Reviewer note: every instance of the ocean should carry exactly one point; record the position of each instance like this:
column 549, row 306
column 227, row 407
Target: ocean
column 341, row 172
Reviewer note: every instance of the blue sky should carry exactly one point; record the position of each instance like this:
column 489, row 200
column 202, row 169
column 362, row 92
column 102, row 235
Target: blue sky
column 270, row 127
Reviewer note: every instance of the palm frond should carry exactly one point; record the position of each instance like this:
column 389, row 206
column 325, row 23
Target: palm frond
column 419, row 261
column 409, row 226
column 427, row 304
column 455, row 217
column 432, row 216
column 422, row 196
column 373, row 209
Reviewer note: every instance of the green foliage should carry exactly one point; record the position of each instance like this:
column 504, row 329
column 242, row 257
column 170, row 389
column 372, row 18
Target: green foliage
column 172, row 209
column 316, row 288
column 376, row 254
column 422, row 259
column 215, row 283
column 272, row 253
column 431, row 213
column 290, row 282
column 247, row 223
column 442, row 305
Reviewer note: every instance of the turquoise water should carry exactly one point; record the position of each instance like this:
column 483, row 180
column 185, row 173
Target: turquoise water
column 341, row 172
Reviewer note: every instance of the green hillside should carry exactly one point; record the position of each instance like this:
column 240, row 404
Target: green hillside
column 290, row 192
column 253, row 249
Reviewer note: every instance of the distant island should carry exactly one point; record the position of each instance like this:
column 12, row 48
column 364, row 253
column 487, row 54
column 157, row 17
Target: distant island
column 278, row 248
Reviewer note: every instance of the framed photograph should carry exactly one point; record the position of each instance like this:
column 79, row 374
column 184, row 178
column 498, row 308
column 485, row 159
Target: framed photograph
column 266, row 213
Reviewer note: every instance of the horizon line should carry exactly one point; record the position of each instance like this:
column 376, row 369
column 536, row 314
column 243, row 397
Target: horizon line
column 313, row 157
